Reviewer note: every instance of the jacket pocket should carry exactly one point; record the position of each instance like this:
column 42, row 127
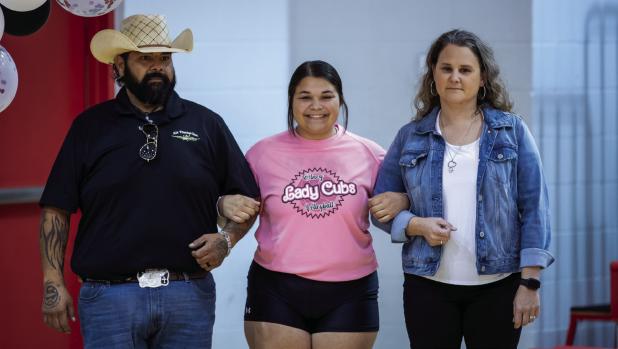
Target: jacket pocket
column 413, row 164
column 502, row 162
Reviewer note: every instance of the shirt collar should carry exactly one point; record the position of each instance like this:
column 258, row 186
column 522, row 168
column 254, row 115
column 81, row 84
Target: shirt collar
column 493, row 118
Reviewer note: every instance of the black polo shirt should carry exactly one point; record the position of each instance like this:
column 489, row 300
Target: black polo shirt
column 138, row 214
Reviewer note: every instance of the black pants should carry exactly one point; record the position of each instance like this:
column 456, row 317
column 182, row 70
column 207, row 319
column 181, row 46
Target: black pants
column 439, row 315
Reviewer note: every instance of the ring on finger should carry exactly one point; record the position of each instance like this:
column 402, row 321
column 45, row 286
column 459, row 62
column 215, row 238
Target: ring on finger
column 441, row 242
column 532, row 317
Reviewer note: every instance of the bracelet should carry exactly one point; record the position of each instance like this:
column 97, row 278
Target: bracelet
column 217, row 206
column 228, row 239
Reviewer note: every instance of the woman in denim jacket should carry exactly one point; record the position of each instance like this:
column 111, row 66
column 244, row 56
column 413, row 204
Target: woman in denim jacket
column 477, row 233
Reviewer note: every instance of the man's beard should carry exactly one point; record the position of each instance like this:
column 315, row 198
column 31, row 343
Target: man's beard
column 151, row 94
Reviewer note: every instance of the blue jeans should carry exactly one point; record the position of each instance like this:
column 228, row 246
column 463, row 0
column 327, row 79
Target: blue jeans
column 179, row 315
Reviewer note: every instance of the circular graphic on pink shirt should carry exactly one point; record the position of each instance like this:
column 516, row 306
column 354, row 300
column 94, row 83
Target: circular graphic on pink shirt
column 317, row 192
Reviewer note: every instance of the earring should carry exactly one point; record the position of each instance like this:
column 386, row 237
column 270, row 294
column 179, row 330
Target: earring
column 484, row 92
column 432, row 88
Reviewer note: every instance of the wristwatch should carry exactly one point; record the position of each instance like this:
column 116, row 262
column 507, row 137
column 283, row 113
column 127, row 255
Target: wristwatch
column 228, row 240
column 531, row 283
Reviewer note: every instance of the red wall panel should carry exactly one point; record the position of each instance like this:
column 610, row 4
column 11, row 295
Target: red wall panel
column 58, row 78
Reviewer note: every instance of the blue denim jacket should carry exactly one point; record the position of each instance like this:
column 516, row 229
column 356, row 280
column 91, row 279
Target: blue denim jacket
column 512, row 215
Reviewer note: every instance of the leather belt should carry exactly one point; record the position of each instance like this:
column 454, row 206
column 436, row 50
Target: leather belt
column 173, row 276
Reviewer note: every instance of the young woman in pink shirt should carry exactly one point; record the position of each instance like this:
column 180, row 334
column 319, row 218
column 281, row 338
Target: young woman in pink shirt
column 313, row 282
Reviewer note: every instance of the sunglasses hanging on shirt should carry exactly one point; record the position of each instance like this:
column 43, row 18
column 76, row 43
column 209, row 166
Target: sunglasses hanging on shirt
column 148, row 151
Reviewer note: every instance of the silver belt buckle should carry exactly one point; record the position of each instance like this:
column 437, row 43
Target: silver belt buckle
column 153, row 278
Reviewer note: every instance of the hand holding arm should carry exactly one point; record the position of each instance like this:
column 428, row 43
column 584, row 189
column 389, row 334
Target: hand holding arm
column 385, row 206
column 238, row 208
column 209, row 250
column 436, row 231
column 57, row 304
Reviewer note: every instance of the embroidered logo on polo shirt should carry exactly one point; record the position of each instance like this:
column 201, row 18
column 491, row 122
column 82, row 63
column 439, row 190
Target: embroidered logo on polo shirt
column 317, row 192
column 186, row 136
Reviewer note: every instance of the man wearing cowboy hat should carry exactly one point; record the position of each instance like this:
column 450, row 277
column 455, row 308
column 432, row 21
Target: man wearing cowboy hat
column 145, row 169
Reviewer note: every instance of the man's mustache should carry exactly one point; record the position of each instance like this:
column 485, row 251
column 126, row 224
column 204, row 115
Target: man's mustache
column 151, row 76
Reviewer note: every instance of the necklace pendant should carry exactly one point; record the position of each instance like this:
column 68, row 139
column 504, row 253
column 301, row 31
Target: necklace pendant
column 451, row 166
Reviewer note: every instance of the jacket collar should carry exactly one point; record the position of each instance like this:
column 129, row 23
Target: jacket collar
column 494, row 119
column 174, row 107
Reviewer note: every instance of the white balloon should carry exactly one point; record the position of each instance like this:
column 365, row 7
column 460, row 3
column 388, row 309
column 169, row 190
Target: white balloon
column 8, row 79
column 22, row 5
column 1, row 23
column 89, row 8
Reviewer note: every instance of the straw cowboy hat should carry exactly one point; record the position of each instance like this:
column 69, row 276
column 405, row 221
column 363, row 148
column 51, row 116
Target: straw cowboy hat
column 140, row 33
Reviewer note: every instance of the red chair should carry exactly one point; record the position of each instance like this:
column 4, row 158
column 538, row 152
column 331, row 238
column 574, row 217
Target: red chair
column 602, row 312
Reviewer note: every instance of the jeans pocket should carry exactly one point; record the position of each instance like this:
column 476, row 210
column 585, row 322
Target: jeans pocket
column 205, row 285
column 90, row 291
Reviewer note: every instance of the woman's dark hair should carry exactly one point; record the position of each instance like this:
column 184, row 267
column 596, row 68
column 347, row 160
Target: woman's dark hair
column 316, row 69
column 493, row 94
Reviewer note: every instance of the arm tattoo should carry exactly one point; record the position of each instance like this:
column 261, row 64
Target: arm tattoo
column 52, row 296
column 238, row 230
column 53, row 237
column 221, row 249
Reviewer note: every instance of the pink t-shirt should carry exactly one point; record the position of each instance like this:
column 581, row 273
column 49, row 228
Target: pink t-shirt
column 314, row 218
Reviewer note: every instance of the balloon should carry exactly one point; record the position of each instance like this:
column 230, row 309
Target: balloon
column 22, row 5
column 1, row 23
column 89, row 8
column 25, row 23
column 8, row 79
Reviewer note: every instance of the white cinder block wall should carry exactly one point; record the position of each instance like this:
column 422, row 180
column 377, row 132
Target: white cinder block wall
column 246, row 50
column 239, row 64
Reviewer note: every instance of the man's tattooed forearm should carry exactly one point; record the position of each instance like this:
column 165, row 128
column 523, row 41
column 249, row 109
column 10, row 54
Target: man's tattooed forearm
column 52, row 296
column 54, row 235
column 239, row 229
column 221, row 248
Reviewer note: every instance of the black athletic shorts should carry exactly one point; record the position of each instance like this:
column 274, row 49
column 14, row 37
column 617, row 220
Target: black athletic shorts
column 312, row 306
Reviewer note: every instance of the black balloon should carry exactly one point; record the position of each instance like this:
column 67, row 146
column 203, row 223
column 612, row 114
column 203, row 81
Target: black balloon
column 25, row 23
